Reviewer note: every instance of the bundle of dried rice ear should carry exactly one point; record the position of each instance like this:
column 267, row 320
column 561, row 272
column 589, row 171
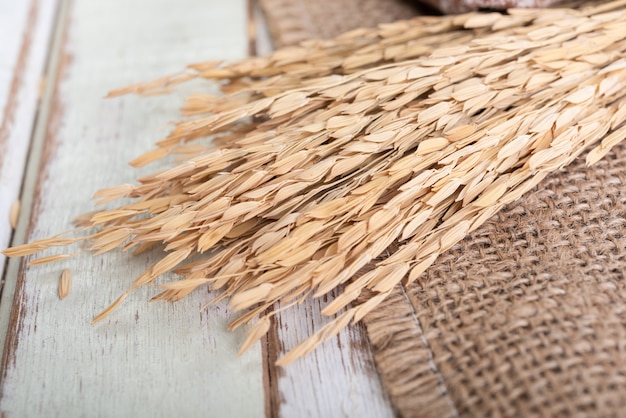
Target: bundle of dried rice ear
column 394, row 141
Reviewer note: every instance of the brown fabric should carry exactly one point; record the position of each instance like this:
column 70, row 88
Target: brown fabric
column 293, row 21
column 525, row 317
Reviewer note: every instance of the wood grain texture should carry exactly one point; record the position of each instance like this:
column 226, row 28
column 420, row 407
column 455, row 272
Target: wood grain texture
column 25, row 29
column 146, row 359
column 338, row 379
column 153, row 360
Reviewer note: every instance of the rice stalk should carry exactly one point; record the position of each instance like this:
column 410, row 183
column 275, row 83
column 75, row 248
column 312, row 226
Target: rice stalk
column 364, row 150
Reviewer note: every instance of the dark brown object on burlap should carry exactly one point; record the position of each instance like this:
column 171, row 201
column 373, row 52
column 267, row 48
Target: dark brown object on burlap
column 462, row 6
column 527, row 315
column 296, row 20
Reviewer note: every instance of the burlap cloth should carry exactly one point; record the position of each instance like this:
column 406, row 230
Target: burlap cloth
column 527, row 315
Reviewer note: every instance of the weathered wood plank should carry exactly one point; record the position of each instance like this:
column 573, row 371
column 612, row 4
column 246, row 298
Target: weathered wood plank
column 25, row 29
column 148, row 359
column 340, row 377
column 147, row 352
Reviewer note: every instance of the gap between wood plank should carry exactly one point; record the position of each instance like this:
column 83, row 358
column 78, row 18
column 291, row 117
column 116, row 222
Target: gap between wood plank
column 22, row 100
column 8, row 312
column 7, row 121
column 299, row 389
column 270, row 342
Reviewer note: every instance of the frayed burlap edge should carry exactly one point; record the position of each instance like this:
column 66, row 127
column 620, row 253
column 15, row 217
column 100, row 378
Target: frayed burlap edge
column 405, row 359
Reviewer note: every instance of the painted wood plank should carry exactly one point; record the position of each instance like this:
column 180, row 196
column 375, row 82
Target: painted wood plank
column 147, row 360
column 25, row 30
column 340, row 377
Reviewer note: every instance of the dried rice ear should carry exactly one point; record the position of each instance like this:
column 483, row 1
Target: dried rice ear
column 320, row 175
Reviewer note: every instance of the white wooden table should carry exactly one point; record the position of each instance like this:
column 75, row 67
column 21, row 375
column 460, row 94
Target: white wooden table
column 59, row 142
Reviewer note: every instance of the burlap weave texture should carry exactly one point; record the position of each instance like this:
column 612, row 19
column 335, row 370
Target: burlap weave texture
column 527, row 315
column 293, row 21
